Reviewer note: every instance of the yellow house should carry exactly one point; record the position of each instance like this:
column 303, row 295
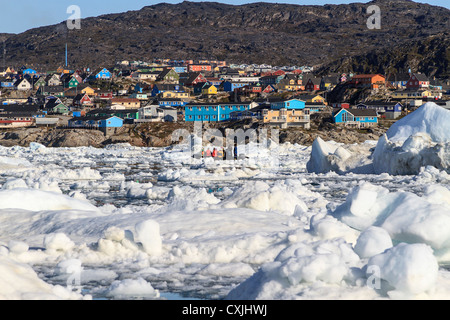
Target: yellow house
column 209, row 90
column 287, row 117
column 411, row 94
column 315, row 98
column 89, row 91
column 174, row 94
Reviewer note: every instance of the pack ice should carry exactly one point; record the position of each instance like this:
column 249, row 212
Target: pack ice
column 418, row 140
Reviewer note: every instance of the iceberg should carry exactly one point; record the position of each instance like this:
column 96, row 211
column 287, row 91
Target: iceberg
column 418, row 140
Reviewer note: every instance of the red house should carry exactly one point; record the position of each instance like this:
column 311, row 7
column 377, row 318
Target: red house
column 279, row 73
column 105, row 95
column 417, row 81
column 268, row 89
column 82, row 100
column 313, row 84
column 195, row 78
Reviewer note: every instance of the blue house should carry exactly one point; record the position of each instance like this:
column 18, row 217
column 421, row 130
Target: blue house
column 29, row 71
column 180, row 69
column 360, row 118
column 8, row 84
column 99, row 122
column 162, row 87
column 212, row 112
column 103, row 74
column 389, row 110
column 229, row 86
column 287, row 104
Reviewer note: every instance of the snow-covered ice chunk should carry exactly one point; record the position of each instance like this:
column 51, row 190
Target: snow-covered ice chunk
column 127, row 288
column 148, row 233
column 411, row 269
column 372, row 241
column 58, row 242
column 19, row 282
column 39, row 200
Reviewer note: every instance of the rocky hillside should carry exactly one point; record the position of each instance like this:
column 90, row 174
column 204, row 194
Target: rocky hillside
column 160, row 134
column 251, row 33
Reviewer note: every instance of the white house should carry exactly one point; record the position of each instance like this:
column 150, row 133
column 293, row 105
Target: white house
column 23, row 85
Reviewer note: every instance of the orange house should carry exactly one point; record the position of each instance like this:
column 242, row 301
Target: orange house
column 199, row 67
column 373, row 81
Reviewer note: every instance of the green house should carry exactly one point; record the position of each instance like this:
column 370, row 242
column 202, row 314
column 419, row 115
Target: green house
column 73, row 82
column 40, row 83
column 168, row 75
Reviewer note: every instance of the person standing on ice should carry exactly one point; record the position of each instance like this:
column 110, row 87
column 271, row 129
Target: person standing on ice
column 203, row 152
column 214, row 153
column 235, row 152
column 208, row 153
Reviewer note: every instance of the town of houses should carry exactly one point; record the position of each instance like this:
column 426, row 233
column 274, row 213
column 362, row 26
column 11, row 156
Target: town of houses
column 208, row 91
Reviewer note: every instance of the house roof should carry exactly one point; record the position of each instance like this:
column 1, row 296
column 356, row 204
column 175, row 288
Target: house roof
column 378, row 103
column 361, row 112
column 399, row 77
column 124, row 100
column 421, row 76
column 95, row 118
column 110, row 111
column 316, row 81
column 364, row 76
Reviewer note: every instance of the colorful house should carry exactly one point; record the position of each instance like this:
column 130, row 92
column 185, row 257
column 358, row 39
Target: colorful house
column 192, row 78
column 171, row 102
column 399, row 80
column 212, row 112
column 40, row 83
column 356, row 117
column 9, row 84
column 168, row 75
column 29, row 71
column 372, row 81
column 98, row 121
column 313, row 98
column 417, row 81
column 125, row 103
column 268, row 89
column 103, row 74
column 73, row 82
column 313, row 84
column 82, row 99
column 389, row 110
column 288, row 104
column 201, row 67
column 230, row 86
column 209, row 90
column 287, row 118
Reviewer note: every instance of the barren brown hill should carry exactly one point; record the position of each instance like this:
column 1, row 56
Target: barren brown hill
column 277, row 34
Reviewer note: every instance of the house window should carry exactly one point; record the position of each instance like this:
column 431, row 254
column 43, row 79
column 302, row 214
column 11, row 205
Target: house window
column 190, row 117
column 199, row 117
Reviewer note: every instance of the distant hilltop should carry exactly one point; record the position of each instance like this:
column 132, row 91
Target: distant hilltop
column 412, row 35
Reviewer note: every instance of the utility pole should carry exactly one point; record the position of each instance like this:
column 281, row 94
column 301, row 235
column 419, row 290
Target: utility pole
column 4, row 55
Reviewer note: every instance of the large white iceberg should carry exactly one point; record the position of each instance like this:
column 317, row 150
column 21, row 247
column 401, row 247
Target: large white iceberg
column 330, row 156
column 418, row 140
